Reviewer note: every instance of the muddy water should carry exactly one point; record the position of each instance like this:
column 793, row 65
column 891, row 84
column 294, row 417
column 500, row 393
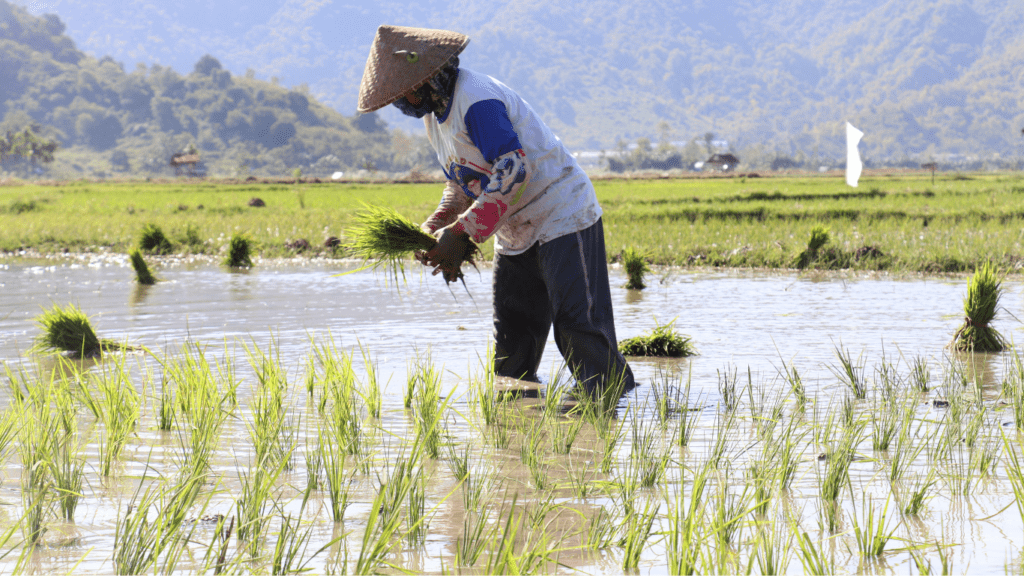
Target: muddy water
column 743, row 321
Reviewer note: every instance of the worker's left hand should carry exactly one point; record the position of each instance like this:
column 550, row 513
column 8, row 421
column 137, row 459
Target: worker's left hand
column 447, row 256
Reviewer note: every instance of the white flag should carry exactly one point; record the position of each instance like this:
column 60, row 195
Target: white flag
column 853, row 163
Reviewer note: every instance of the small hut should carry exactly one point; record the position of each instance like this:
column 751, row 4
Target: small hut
column 721, row 163
column 188, row 164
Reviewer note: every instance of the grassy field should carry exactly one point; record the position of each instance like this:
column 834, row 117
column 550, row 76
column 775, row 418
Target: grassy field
column 901, row 223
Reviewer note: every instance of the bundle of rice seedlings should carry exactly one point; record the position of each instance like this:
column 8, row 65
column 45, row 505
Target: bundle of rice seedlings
column 983, row 291
column 142, row 273
column 819, row 238
column 635, row 263
column 384, row 238
column 153, row 240
column 68, row 330
column 661, row 341
column 239, row 249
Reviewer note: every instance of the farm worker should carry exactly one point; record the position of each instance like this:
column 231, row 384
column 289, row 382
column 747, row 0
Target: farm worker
column 510, row 177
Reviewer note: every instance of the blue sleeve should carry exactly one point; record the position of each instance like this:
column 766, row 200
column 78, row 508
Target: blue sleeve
column 491, row 130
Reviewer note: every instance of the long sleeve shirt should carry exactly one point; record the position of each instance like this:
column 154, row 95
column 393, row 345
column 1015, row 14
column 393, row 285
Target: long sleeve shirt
column 508, row 175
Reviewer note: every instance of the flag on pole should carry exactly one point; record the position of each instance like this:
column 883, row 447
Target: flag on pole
column 853, row 163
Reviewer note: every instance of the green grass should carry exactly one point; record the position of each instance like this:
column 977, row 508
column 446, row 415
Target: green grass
column 898, row 223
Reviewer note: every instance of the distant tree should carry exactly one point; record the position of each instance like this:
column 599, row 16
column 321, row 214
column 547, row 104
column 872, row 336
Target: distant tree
column 119, row 161
column 206, row 65
column 26, row 146
column 370, row 123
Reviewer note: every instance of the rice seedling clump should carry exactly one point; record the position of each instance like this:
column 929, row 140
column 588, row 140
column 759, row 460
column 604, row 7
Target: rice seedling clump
column 661, row 341
column 819, row 238
column 983, row 291
column 153, row 240
column 634, row 261
column 142, row 273
column 239, row 250
column 66, row 329
column 383, row 238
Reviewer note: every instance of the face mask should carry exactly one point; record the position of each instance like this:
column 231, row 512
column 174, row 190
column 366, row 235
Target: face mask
column 435, row 95
column 419, row 111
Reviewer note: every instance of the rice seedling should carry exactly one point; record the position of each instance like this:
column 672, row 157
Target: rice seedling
column 761, row 474
column 118, row 408
column 289, row 555
column 920, row 376
column 773, row 548
column 416, row 502
column 337, row 479
column 539, row 510
column 383, row 239
column 67, row 329
column 530, row 454
column 888, row 379
column 636, row 532
column 384, row 522
column 67, row 469
column 850, row 372
column 984, row 457
column 886, row 420
column 580, row 478
column 956, row 473
column 812, row 556
column 766, row 407
column 980, row 305
column 836, row 475
column 152, row 526
column 142, row 273
column 870, row 528
column 458, row 462
column 371, row 392
column 728, row 511
column 240, row 249
column 215, row 559
column 662, row 341
column 796, row 386
column 429, row 408
column 254, row 506
column 600, row 531
column 819, row 238
column 904, row 451
column 718, row 448
column 564, row 433
column 727, row 382
column 477, row 490
column 684, row 539
column 644, row 457
column 787, row 450
column 470, row 544
column 153, row 240
column 634, row 262
column 924, row 565
column 167, row 408
column 534, row 551
column 270, row 431
column 34, row 445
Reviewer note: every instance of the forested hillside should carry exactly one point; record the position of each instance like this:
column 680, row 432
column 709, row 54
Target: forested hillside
column 109, row 120
column 776, row 80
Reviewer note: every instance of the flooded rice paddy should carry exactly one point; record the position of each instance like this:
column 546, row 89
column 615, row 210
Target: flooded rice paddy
column 773, row 476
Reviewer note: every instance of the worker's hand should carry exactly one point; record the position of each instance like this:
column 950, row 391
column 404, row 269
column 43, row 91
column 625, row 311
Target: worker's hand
column 447, row 256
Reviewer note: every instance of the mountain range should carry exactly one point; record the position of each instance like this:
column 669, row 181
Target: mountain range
column 935, row 79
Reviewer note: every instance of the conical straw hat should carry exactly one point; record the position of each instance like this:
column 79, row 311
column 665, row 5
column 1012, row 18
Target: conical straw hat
column 403, row 59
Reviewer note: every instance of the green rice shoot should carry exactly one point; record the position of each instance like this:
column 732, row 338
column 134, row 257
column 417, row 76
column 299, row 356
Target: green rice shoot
column 819, row 238
column 153, row 240
column 142, row 273
column 662, row 341
column 634, row 261
column 68, row 330
column 383, row 239
column 983, row 291
column 239, row 250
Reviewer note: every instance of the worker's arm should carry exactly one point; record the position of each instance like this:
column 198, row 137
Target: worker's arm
column 453, row 203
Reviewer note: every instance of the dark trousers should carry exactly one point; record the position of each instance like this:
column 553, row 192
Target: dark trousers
column 562, row 282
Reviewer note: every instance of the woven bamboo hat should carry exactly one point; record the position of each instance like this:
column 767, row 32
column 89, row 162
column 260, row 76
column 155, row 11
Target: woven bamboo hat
column 403, row 59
